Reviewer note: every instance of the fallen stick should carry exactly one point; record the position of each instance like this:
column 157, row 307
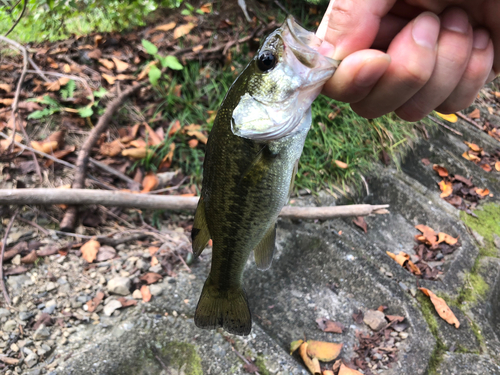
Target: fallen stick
column 4, row 245
column 470, row 121
column 165, row 202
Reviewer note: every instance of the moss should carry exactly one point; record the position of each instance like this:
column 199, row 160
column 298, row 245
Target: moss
column 486, row 224
column 261, row 365
column 477, row 332
column 181, row 355
column 475, row 287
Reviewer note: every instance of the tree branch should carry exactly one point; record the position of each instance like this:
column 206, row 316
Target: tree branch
column 4, row 245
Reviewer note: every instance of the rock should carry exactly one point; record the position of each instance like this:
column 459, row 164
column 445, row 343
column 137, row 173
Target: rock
column 31, row 360
column 4, row 313
column 50, row 286
column 111, row 307
column 403, row 335
column 479, row 238
column 496, row 241
column 14, row 348
column 142, row 265
column 119, row 285
column 41, row 333
column 137, row 294
column 25, row 315
column 16, row 261
column 10, row 325
column 375, row 319
column 155, row 289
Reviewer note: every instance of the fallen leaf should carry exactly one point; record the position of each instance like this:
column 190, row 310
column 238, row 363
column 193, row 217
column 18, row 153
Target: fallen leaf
column 152, row 250
column 175, row 127
column 441, row 171
column 89, row 250
column 497, row 166
column 197, row 48
column 107, row 63
column 182, row 30
column 6, row 102
column 308, row 361
column 151, row 277
column 397, row 318
column 94, row 302
column 154, row 261
column 327, row 372
column 193, row 143
column 360, row 222
column 470, row 157
column 110, row 79
column 166, row 27
column 150, row 182
column 482, row 192
column 446, row 188
column 127, row 302
column 326, row 325
column 443, row 237
column 136, row 153
column 341, row 164
column 121, row 66
column 95, row 54
column 5, row 87
column 105, row 253
column 486, row 167
column 47, row 147
column 111, row 149
column 138, row 143
column 153, row 138
column 401, row 258
column 475, row 113
column 324, row 351
column 59, row 154
column 429, row 234
column 30, row 258
column 473, row 146
column 206, row 8
column 466, row 181
column 426, row 161
column 56, row 85
column 344, row 370
column 146, row 294
column 442, row 308
column 413, row 268
column 450, row 118
column 295, row 345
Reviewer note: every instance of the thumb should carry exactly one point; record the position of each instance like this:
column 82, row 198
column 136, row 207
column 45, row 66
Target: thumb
column 352, row 25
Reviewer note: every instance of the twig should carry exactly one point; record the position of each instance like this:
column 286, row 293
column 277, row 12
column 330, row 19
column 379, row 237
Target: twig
column 56, row 160
column 4, row 245
column 465, row 118
column 32, row 223
column 18, row 19
column 69, row 220
column 243, row 359
column 133, row 184
column 170, row 188
column 38, row 70
column 108, row 212
column 282, row 7
column 35, row 160
column 444, row 125
column 167, row 202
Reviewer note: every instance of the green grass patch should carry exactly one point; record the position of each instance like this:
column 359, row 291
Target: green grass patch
column 429, row 313
column 486, row 224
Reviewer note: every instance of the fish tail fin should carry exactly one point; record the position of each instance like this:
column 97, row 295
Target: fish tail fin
column 227, row 309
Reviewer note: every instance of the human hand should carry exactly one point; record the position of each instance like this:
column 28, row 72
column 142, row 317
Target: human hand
column 437, row 56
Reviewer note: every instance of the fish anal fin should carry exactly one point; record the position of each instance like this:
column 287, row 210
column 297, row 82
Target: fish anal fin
column 227, row 309
column 200, row 234
column 264, row 251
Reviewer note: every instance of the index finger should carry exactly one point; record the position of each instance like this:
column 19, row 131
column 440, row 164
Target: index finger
column 352, row 25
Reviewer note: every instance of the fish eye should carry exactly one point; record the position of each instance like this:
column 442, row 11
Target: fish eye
column 266, row 61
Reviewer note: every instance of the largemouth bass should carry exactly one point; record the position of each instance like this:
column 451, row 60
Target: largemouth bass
column 250, row 163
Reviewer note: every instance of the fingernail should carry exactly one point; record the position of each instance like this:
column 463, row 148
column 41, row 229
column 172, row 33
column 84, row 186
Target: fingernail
column 456, row 20
column 481, row 39
column 426, row 30
column 372, row 70
column 326, row 49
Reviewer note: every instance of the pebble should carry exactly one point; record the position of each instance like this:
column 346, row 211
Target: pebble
column 50, row 286
column 111, row 307
column 14, row 348
column 10, row 325
column 137, row 294
column 4, row 313
column 375, row 319
column 41, row 333
column 16, row 260
column 25, row 315
column 403, row 335
column 119, row 285
column 142, row 265
column 155, row 289
column 31, row 360
column 496, row 241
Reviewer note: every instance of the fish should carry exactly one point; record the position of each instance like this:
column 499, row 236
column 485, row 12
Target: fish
column 250, row 163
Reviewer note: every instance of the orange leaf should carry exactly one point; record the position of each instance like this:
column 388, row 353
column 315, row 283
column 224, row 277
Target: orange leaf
column 152, row 250
column 153, row 138
column 176, row 126
column 206, row 8
column 473, row 146
column 442, row 308
column 136, row 153
column 46, row 147
column 193, row 143
column 89, row 250
column 154, row 261
column 327, row 372
column 146, row 294
column 341, row 164
column 151, row 277
column 107, row 63
column 482, row 192
column 109, row 79
column 5, row 87
column 475, row 114
column 428, row 233
column 324, row 351
column 413, row 268
column 486, row 167
column 441, row 171
column 111, row 149
column 307, row 361
column 138, row 143
column 121, row 66
column 401, row 258
column 30, row 258
column 450, row 118
column 443, row 237
column 344, row 370
column 446, row 188
column 197, row 48
column 470, row 157
column 166, row 27
column 497, row 166
column 182, row 30
column 150, row 182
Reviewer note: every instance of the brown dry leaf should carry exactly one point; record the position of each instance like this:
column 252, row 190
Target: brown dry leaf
column 475, row 113
column 497, row 166
column 152, row 250
column 482, row 192
column 206, row 8
column 46, row 147
column 327, row 372
column 193, row 143
column 344, row 370
column 94, row 302
column 111, row 149
column 145, row 71
column 442, row 308
column 151, row 277
column 413, row 268
column 425, row 161
column 121, row 66
column 56, row 85
column 109, row 79
column 401, row 258
column 95, row 54
column 443, row 237
column 197, row 48
column 5, row 143
column 146, row 294
column 5, row 87
column 136, row 153
column 105, row 253
column 150, row 182
column 176, row 126
column 6, row 102
column 89, row 250
column 470, row 157
column 450, row 118
column 60, row 154
column 324, row 351
column 308, row 361
column 166, row 27
column 428, row 233
column 341, row 164
column 473, row 146
column 30, row 258
column 326, row 325
column 138, row 143
column 441, row 171
column 153, row 138
column 446, row 188
column 107, row 64
column 360, row 222
column 154, row 261
column 182, row 30
column 486, row 167
column 127, row 302
column 295, row 345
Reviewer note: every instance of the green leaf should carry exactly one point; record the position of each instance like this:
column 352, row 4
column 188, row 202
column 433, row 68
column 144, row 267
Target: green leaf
column 99, row 94
column 171, row 62
column 149, row 47
column 48, row 100
column 40, row 114
column 199, row 11
column 154, row 75
column 85, row 112
column 185, row 12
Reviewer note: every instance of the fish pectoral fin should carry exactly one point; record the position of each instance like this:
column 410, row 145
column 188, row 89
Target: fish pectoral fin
column 200, row 234
column 264, row 251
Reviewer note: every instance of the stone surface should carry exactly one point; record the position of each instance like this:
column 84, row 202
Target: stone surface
column 375, row 319
column 119, row 285
column 111, row 307
column 41, row 333
column 31, row 360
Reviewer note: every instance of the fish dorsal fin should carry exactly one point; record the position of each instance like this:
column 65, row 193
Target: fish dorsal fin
column 265, row 249
column 200, row 234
